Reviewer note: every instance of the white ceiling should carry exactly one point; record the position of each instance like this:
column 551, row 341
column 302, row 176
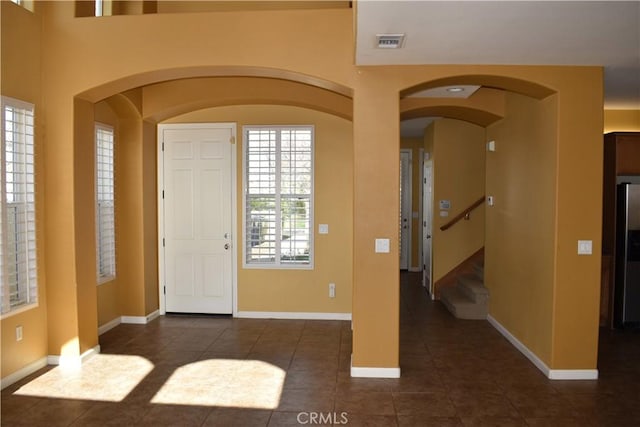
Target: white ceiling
column 601, row 33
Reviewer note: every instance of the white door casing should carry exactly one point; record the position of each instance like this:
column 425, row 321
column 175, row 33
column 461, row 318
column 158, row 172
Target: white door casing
column 406, row 213
column 196, row 171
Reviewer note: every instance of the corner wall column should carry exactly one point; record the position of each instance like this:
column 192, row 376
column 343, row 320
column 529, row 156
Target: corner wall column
column 376, row 292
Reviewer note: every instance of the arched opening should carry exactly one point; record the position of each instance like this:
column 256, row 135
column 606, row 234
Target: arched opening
column 251, row 96
column 498, row 141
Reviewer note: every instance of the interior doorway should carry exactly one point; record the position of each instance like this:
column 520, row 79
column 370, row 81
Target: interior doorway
column 405, row 209
column 427, row 222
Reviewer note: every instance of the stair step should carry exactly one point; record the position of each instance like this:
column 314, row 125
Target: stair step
column 473, row 288
column 461, row 306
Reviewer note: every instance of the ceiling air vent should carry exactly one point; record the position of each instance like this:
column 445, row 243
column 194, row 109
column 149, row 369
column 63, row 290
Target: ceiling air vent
column 390, row 41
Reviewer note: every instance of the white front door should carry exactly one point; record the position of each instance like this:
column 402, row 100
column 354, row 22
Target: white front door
column 427, row 223
column 405, row 209
column 196, row 217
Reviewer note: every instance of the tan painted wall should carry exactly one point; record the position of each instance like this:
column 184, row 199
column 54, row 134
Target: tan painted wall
column 134, row 291
column 520, row 233
column 458, row 176
column 20, row 79
column 96, row 58
column 621, row 121
column 301, row 290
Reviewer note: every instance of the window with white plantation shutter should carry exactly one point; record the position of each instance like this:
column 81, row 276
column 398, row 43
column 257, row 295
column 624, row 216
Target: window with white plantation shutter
column 278, row 202
column 18, row 267
column 105, row 214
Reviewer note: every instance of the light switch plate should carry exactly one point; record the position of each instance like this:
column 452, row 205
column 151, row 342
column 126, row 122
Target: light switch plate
column 323, row 228
column 382, row 246
column 585, row 247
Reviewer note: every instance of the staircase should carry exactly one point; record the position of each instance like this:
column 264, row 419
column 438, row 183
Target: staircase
column 468, row 298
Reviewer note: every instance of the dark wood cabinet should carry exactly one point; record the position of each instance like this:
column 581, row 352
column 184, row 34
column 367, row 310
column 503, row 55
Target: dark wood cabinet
column 621, row 157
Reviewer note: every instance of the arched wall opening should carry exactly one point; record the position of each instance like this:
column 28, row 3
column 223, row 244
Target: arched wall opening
column 135, row 113
column 521, row 118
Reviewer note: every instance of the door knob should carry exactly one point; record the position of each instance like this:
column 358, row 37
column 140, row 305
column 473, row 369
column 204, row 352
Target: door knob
column 226, row 246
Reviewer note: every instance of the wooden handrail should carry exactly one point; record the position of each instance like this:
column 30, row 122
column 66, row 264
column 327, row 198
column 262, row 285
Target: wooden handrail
column 464, row 214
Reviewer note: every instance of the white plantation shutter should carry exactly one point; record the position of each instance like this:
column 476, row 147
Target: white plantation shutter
column 105, row 213
column 278, row 167
column 18, row 266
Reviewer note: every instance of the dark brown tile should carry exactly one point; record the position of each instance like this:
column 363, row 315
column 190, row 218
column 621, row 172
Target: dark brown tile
column 112, row 414
column 495, row 422
column 236, row 417
column 431, row 404
column 50, row 412
column 372, row 403
column 310, row 379
column 364, row 420
column 173, row 415
column 484, row 404
column 298, row 418
column 309, row 400
column 427, row 421
column 563, row 422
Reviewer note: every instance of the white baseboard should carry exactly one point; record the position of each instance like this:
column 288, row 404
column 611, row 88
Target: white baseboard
column 22, row 373
column 140, row 320
column 359, row 372
column 135, row 320
column 573, row 374
column 109, row 325
column 73, row 361
column 552, row 374
column 292, row 315
column 153, row 315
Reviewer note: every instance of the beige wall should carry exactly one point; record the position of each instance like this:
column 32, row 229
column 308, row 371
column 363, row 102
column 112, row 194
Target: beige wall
column 92, row 59
column 621, row 121
column 458, row 155
column 301, row 290
column 520, row 241
column 20, row 79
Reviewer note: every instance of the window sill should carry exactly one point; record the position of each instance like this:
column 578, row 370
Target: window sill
column 19, row 310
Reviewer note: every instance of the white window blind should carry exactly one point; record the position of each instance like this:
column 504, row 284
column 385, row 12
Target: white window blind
column 105, row 214
column 278, row 167
column 18, row 266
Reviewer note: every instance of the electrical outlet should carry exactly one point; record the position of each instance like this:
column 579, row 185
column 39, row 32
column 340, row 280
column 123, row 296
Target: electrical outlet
column 332, row 290
column 19, row 333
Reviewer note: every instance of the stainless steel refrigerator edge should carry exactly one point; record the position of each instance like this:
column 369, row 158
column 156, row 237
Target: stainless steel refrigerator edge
column 627, row 273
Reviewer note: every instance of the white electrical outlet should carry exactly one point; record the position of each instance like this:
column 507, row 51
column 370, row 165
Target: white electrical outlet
column 332, row 290
column 19, row 333
column 382, row 246
column 585, row 247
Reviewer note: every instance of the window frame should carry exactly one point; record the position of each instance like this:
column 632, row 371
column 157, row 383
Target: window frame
column 277, row 262
column 111, row 275
column 30, row 253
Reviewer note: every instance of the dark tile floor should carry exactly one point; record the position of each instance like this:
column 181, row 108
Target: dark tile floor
column 198, row 371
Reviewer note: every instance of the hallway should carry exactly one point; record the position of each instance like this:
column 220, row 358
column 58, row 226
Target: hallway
column 219, row 371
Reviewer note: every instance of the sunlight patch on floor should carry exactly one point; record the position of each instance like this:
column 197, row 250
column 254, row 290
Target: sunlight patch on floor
column 104, row 377
column 224, row 382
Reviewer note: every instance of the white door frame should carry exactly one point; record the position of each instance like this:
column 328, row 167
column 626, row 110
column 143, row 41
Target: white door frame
column 234, row 208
